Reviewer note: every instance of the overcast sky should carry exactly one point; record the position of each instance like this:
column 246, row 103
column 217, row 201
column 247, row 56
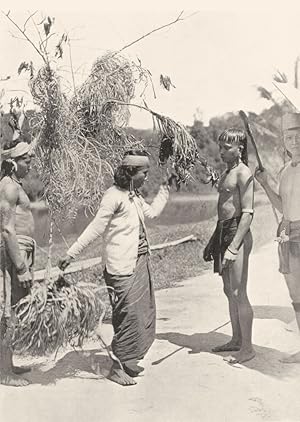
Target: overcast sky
column 215, row 57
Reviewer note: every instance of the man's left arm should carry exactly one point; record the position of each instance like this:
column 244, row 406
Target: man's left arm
column 246, row 187
column 154, row 209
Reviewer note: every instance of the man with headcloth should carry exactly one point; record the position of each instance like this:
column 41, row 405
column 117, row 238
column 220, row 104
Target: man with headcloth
column 287, row 201
column 17, row 251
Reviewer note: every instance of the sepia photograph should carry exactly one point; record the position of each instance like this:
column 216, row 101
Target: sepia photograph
column 150, row 211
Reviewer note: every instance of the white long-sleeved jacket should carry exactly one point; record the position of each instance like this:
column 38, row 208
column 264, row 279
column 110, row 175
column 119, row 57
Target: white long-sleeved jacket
column 118, row 220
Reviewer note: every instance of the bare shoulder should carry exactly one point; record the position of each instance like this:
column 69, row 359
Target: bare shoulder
column 243, row 172
column 9, row 191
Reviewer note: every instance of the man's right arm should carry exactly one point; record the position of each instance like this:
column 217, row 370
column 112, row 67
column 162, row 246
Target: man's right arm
column 8, row 203
column 274, row 198
column 98, row 225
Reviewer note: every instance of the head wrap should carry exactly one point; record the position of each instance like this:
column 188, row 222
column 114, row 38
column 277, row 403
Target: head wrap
column 136, row 161
column 20, row 149
column 290, row 121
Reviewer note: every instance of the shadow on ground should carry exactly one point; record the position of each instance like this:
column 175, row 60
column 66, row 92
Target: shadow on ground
column 88, row 364
column 267, row 360
column 92, row 364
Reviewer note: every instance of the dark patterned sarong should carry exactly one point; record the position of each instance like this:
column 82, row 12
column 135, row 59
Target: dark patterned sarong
column 134, row 314
column 288, row 233
column 221, row 239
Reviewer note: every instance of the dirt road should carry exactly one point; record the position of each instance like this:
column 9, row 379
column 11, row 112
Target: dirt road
column 183, row 379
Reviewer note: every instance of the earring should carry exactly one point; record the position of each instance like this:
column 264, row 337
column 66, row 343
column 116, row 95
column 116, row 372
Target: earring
column 131, row 189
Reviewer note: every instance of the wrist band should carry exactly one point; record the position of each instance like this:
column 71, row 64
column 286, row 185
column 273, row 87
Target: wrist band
column 248, row 210
column 233, row 253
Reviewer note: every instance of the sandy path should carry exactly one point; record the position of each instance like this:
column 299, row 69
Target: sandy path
column 184, row 380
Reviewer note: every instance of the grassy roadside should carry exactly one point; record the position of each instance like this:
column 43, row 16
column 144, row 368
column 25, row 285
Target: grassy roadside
column 173, row 264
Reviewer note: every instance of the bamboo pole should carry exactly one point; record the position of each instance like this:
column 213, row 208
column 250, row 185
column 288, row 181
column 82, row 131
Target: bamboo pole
column 92, row 262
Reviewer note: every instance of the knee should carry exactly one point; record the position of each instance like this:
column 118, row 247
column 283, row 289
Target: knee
column 295, row 295
column 227, row 290
column 240, row 296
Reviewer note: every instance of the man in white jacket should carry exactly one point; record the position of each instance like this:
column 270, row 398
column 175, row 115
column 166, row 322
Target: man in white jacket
column 120, row 219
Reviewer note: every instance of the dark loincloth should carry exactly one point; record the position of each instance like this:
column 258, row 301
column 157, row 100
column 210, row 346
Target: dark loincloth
column 221, row 239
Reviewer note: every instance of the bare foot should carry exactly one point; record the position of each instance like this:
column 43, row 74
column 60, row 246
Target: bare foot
column 133, row 370
column 19, row 370
column 231, row 346
column 120, row 377
column 240, row 357
column 13, row 380
column 295, row 358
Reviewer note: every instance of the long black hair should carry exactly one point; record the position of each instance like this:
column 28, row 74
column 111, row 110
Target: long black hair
column 239, row 136
column 123, row 174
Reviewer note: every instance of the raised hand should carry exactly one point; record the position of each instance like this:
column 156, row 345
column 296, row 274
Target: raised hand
column 261, row 176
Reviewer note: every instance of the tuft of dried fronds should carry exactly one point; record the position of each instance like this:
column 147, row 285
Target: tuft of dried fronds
column 177, row 145
column 54, row 315
column 79, row 140
column 112, row 77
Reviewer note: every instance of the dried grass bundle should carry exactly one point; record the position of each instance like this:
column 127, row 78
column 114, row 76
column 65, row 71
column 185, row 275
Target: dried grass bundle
column 112, row 77
column 46, row 91
column 54, row 315
column 79, row 144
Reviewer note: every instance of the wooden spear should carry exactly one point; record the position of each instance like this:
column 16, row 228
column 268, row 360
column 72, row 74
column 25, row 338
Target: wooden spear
column 244, row 117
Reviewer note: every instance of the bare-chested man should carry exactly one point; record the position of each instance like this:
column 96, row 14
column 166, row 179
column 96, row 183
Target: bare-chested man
column 17, row 251
column 231, row 243
column 287, row 201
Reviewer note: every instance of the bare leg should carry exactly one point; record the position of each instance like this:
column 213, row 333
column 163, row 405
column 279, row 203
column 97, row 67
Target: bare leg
column 293, row 283
column 7, row 374
column 235, row 343
column 238, row 274
column 297, row 314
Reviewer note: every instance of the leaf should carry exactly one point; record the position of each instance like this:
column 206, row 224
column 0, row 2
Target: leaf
column 23, row 66
column 165, row 81
column 265, row 93
column 31, row 70
column 59, row 48
column 59, row 51
column 47, row 28
column 280, row 77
